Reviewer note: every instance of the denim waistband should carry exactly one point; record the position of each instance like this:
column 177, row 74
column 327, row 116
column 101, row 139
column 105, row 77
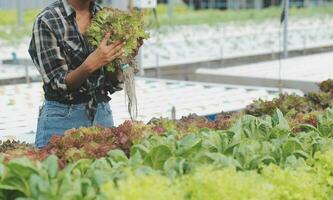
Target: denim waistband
column 84, row 99
column 61, row 105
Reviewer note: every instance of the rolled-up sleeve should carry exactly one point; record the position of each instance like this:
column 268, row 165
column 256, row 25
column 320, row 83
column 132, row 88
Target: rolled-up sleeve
column 47, row 56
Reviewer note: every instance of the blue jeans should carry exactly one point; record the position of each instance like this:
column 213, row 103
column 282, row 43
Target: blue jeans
column 56, row 118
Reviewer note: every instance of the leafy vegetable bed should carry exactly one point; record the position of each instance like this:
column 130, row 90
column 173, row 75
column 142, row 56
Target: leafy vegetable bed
column 282, row 151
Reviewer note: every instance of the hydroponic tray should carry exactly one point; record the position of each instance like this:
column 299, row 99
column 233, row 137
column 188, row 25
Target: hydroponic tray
column 171, row 46
column 20, row 103
column 302, row 73
column 14, row 72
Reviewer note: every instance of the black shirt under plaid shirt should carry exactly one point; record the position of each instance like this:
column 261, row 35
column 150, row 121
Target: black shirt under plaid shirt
column 56, row 48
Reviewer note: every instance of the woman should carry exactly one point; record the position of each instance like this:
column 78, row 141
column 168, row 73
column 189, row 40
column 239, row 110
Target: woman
column 76, row 86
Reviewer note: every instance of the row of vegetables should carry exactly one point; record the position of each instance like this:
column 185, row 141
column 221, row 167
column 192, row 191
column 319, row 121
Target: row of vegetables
column 279, row 149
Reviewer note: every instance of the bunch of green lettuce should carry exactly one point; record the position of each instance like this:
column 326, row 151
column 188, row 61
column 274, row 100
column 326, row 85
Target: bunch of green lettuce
column 124, row 26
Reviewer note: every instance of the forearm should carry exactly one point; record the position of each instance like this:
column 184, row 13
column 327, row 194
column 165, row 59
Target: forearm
column 100, row 57
column 103, row 55
column 77, row 77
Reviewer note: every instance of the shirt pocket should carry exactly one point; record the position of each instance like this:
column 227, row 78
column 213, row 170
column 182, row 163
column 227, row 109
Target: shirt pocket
column 74, row 51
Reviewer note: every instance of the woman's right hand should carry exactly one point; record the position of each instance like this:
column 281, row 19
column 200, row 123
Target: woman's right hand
column 104, row 54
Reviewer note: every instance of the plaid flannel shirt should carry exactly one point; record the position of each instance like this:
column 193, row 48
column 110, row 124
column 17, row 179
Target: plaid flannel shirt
column 57, row 47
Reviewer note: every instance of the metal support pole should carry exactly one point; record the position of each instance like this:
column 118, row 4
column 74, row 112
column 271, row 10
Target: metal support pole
column 20, row 12
column 221, row 53
column 285, row 31
column 170, row 8
column 173, row 113
column 258, row 4
column 304, row 45
column 140, row 62
column 191, row 3
column 120, row 4
column 211, row 4
column 158, row 70
column 27, row 78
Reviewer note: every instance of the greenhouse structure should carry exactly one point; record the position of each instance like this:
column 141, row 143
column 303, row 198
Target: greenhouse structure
column 166, row 99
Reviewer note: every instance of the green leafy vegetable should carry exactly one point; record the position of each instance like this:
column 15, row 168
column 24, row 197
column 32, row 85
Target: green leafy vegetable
column 123, row 26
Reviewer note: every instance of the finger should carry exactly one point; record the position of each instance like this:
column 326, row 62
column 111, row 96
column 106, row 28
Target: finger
column 114, row 44
column 119, row 54
column 122, row 55
column 116, row 49
column 105, row 39
column 116, row 55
